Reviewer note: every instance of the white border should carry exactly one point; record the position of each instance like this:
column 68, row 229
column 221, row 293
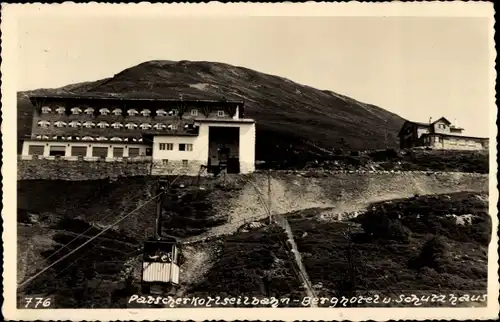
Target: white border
column 9, row 73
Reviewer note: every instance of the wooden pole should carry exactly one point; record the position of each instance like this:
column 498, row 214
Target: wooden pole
column 269, row 194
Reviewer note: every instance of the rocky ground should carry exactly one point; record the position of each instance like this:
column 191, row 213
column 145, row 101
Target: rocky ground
column 430, row 242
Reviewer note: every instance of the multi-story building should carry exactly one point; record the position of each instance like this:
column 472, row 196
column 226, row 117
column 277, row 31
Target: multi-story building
column 172, row 133
column 440, row 134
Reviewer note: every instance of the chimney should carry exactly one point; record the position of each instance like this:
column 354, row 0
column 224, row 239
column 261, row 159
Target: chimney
column 430, row 120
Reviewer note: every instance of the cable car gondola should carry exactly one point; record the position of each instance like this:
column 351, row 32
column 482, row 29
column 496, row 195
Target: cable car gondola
column 160, row 263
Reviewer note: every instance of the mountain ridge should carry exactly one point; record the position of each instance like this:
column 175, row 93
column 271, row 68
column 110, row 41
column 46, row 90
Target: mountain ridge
column 292, row 119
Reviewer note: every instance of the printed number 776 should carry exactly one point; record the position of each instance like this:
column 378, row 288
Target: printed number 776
column 38, row 301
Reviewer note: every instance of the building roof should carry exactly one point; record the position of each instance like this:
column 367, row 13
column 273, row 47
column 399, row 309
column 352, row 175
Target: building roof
column 427, row 124
column 441, row 119
column 411, row 122
column 113, row 97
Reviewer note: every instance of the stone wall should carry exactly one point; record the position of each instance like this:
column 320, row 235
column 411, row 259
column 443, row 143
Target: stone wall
column 79, row 170
column 176, row 167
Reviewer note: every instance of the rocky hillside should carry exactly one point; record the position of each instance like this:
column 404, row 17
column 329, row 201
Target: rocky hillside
column 229, row 247
column 292, row 118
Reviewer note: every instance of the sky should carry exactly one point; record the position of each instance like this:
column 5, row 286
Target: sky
column 416, row 67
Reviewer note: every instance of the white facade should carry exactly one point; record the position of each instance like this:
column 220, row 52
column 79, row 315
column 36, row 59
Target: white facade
column 68, row 147
column 200, row 145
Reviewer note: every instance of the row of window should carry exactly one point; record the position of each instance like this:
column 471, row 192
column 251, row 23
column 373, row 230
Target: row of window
column 184, row 162
column 102, row 152
column 451, row 141
column 81, row 151
column 462, row 142
column 88, row 138
column 118, row 111
column 116, row 125
column 170, row 147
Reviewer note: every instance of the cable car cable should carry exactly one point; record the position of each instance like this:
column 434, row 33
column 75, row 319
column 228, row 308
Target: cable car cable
column 87, row 242
column 83, row 233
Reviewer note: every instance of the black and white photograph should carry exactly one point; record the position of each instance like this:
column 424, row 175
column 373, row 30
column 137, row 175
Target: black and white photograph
column 249, row 161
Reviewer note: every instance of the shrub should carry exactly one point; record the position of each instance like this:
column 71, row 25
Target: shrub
column 384, row 155
column 23, row 216
column 379, row 225
column 435, row 253
column 354, row 154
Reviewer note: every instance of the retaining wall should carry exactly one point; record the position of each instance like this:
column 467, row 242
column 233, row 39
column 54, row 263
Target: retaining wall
column 79, row 170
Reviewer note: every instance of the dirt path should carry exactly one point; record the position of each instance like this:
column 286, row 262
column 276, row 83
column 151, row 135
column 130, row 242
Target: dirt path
column 303, row 276
column 197, row 265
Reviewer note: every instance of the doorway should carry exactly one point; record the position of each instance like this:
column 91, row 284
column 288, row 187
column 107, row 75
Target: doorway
column 223, row 149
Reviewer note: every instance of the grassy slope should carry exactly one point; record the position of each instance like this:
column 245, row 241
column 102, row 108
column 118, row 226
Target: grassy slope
column 391, row 260
column 291, row 117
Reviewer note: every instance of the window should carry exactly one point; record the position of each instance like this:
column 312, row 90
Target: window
column 88, row 138
column 117, row 111
column 79, row 151
column 146, row 112
column 61, row 110
column 132, row 112
column 104, row 111
column 102, row 138
column 173, row 112
column 164, row 161
column 57, row 150
column 89, row 124
column 117, row 152
column 98, row 151
column 89, row 111
column 166, row 146
column 184, row 163
column 117, row 125
column 194, row 112
column 60, row 124
column 159, row 126
column 43, row 124
column 46, row 109
column 185, row 147
column 116, row 139
column 173, row 127
column 74, row 124
column 145, row 126
column 36, row 149
column 103, row 125
column 131, row 126
column 220, row 113
column 133, row 152
column 161, row 112
column 76, row 110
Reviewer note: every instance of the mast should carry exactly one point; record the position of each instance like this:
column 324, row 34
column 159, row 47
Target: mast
column 161, row 188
